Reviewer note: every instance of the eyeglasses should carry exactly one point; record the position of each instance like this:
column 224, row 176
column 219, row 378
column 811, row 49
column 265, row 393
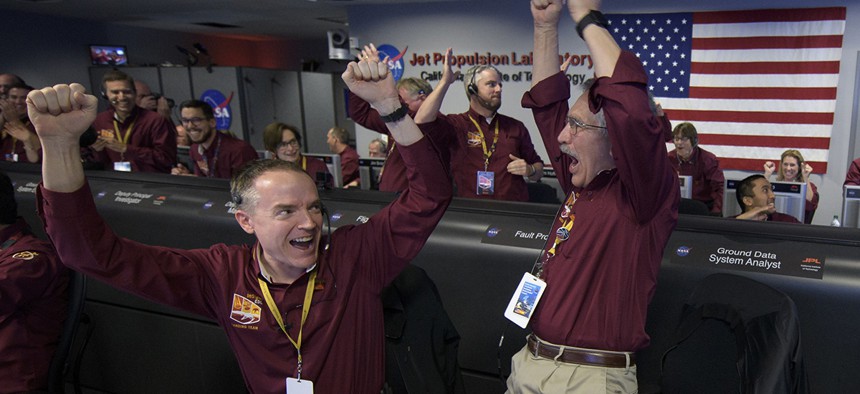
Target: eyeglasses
column 577, row 124
column 293, row 142
column 194, row 121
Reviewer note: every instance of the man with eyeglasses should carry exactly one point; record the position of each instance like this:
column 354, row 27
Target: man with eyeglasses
column 688, row 158
column 214, row 154
column 599, row 268
column 491, row 154
column 131, row 138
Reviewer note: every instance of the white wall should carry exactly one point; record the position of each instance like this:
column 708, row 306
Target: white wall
column 506, row 26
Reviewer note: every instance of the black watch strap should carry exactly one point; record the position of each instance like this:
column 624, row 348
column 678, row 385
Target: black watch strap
column 398, row 114
column 593, row 17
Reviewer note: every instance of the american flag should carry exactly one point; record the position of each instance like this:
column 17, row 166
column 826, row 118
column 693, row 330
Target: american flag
column 753, row 82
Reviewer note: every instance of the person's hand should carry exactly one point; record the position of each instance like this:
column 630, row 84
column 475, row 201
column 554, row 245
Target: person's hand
column 114, row 145
column 759, row 213
column 180, row 169
column 449, row 76
column 578, row 9
column 546, row 12
column 369, row 52
column 61, row 112
column 769, row 168
column 807, row 169
column 659, row 109
column 565, row 65
column 519, row 166
column 370, row 80
column 10, row 114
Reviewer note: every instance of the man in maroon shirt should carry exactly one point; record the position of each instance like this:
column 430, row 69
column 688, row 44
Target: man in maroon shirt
column 601, row 262
column 688, row 158
column 852, row 177
column 491, row 153
column 215, row 154
column 296, row 311
column 34, row 294
column 337, row 139
column 131, row 138
column 19, row 141
column 755, row 196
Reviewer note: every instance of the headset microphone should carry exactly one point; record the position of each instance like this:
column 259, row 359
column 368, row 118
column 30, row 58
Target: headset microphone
column 328, row 226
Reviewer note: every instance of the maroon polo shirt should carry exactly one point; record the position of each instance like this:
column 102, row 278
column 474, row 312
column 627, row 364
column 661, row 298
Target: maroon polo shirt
column 225, row 156
column 151, row 145
column 708, row 180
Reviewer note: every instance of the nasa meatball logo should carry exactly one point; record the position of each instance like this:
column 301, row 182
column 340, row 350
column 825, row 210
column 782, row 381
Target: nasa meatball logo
column 101, row 195
column 336, row 216
column 395, row 59
column 492, row 232
column 682, row 251
column 220, row 106
column 208, row 205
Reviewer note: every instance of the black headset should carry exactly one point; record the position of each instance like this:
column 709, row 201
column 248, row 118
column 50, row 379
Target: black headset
column 472, row 88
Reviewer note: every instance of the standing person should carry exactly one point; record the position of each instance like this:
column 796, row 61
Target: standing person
column 215, row 154
column 755, row 197
column 338, row 139
column 130, row 138
column 34, row 293
column 296, row 311
column 792, row 168
column 852, row 177
column 688, row 158
column 600, row 265
column 18, row 141
column 285, row 142
column 491, row 153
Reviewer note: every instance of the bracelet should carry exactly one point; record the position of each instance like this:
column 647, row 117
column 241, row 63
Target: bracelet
column 398, row 114
column 534, row 170
column 593, row 18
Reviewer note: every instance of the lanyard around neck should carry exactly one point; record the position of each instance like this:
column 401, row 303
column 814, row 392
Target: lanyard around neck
column 487, row 152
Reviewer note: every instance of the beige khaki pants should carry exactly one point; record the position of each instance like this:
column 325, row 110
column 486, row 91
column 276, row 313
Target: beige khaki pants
column 532, row 375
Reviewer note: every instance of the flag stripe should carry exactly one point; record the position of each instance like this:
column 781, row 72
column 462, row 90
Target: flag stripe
column 763, row 129
column 774, row 15
column 773, row 29
column 795, row 106
column 752, row 117
column 764, row 80
column 764, row 93
column 758, row 164
column 824, row 67
column 772, row 141
column 795, row 42
column 767, row 55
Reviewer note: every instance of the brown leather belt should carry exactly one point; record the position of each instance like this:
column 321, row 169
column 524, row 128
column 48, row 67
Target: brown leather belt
column 579, row 356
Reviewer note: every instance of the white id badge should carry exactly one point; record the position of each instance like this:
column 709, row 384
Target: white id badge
column 124, row 166
column 295, row 386
column 525, row 300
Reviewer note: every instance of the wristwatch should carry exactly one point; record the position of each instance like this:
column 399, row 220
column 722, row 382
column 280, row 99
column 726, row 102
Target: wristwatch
column 396, row 115
column 593, row 17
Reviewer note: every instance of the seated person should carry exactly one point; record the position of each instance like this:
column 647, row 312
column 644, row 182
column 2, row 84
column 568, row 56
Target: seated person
column 337, row 140
column 688, row 158
column 853, row 175
column 284, row 142
column 33, row 290
column 376, row 148
column 333, row 343
column 792, row 168
column 215, row 154
column 19, row 141
column 152, row 101
column 756, row 199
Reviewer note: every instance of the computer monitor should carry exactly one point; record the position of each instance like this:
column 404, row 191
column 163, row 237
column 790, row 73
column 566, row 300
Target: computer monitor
column 851, row 206
column 369, row 169
column 108, row 55
column 790, row 198
column 332, row 161
column 686, row 182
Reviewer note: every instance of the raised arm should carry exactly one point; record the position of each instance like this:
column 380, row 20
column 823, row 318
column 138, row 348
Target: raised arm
column 60, row 115
column 603, row 48
column 546, row 14
column 430, row 107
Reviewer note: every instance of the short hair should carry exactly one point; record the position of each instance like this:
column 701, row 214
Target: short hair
column 24, row 86
column 201, row 105
column 382, row 144
column 8, row 205
column 799, row 157
column 687, row 129
column 17, row 79
column 585, row 87
column 116, row 75
column 242, row 191
column 340, row 134
column 473, row 75
column 415, row 86
column 274, row 132
column 745, row 189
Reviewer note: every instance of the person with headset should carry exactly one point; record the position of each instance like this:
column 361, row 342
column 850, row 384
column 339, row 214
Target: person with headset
column 688, row 158
column 491, row 153
column 598, row 271
column 301, row 308
column 130, row 138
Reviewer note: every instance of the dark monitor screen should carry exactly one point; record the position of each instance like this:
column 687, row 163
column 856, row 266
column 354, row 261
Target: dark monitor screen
column 369, row 169
column 108, row 55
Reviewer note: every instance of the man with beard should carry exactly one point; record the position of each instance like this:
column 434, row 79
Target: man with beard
column 215, row 154
column 756, row 199
column 301, row 310
column 491, row 153
column 131, row 138
column 18, row 139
